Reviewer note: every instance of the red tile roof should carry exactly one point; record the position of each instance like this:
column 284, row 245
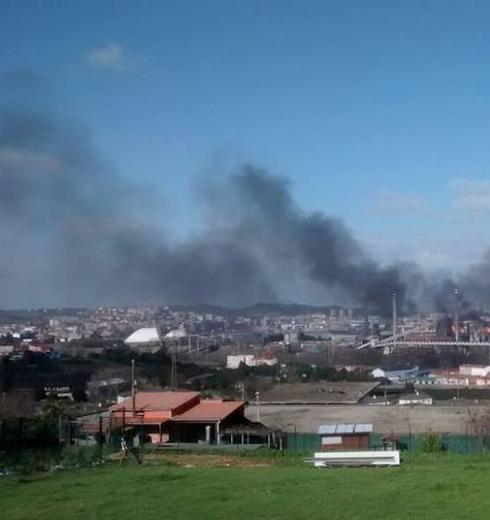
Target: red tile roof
column 156, row 401
column 140, row 420
column 210, row 410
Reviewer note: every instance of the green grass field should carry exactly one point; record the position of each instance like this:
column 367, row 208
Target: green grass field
column 431, row 487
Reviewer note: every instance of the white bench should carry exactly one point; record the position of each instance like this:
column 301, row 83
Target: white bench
column 355, row 458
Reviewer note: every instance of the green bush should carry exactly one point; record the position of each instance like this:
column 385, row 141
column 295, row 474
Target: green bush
column 431, row 442
column 80, row 456
column 33, row 462
column 27, row 462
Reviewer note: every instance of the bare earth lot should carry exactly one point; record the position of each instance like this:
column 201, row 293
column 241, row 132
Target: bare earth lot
column 443, row 419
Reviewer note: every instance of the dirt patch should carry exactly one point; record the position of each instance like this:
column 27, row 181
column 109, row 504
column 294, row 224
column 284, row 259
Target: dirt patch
column 386, row 419
column 199, row 460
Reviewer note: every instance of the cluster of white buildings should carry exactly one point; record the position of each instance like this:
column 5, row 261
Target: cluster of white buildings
column 250, row 360
column 465, row 376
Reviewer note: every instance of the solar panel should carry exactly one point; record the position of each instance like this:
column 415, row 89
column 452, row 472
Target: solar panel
column 364, row 428
column 327, row 429
column 334, row 429
column 345, row 428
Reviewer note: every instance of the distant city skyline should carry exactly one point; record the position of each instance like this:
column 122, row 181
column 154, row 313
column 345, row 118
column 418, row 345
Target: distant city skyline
column 377, row 113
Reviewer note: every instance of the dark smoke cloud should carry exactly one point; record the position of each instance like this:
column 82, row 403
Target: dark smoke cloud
column 74, row 233
column 256, row 238
column 476, row 282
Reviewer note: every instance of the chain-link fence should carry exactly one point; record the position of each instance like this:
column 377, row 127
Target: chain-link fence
column 311, row 442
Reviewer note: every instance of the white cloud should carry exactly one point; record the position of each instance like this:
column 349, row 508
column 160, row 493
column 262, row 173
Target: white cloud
column 470, row 196
column 111, row 56
column 388, row 202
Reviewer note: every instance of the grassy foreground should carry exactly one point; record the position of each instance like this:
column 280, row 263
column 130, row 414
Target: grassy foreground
column 432, row 487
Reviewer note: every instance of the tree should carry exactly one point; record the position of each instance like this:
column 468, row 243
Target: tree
column 431, row 442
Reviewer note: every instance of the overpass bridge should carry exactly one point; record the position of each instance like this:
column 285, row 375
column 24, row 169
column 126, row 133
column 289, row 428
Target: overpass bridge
column 400, row 338
column 421, row 343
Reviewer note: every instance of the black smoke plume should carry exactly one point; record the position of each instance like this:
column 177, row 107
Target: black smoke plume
column 74, row 233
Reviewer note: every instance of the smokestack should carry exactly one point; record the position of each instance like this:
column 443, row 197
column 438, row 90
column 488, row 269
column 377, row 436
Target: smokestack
column 456, row 317
column 394, row 320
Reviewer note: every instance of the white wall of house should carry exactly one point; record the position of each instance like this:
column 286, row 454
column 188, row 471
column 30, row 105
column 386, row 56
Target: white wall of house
column 236, row 360
column 425, row 400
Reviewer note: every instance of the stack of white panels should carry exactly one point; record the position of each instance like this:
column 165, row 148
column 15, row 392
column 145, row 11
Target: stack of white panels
column 356, row 458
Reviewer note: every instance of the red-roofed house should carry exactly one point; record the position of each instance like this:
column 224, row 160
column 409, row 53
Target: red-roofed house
column 177, row 416
column 206, row 420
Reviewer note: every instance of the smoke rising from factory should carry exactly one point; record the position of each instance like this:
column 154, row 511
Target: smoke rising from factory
column 74, row 233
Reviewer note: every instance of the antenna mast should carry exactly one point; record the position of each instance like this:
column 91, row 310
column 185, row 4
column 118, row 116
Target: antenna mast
column 173, row 373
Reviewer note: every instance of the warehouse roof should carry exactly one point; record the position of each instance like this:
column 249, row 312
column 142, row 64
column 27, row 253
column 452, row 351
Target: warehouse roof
column 318, row 392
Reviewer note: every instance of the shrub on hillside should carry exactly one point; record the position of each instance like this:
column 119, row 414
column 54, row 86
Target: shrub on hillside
column 431, row 442
column 80, row 456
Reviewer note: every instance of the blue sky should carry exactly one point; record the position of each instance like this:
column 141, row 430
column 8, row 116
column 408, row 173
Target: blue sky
column 377, row 111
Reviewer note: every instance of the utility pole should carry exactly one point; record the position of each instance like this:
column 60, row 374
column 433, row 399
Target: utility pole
column 257, row 405
column 456, row 314
column 174, row 338
column 133, row 389
column 173, row 373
